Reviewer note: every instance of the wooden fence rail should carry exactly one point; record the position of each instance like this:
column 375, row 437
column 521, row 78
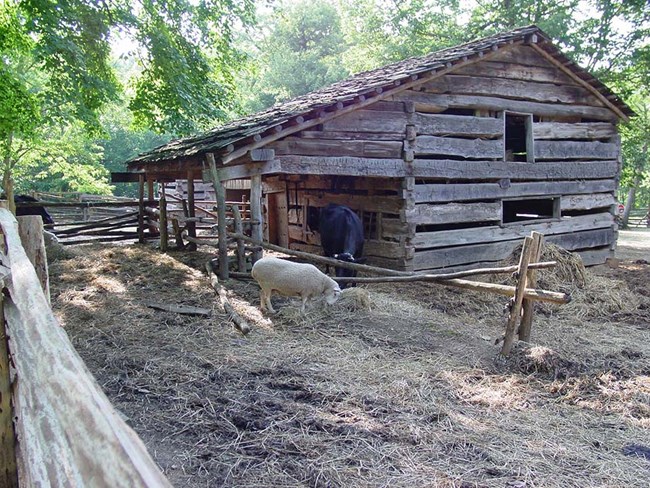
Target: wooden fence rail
column 68, row 432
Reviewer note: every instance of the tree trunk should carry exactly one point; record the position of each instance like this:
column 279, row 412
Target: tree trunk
column 629, row 202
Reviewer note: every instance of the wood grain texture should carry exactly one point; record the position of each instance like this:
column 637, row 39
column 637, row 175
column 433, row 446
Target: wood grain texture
column 70, row 434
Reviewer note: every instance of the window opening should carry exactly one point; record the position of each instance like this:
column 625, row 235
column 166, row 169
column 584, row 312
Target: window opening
column 518, row 137
column 531, row 209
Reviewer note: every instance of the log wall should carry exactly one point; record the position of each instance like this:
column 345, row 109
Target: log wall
column 429, row 169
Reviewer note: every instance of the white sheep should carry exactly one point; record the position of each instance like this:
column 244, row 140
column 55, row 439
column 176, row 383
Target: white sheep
column 293, row 279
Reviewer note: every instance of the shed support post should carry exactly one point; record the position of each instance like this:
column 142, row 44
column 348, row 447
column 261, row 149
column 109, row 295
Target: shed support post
column 163, row 219
column 257, row 220
column 141, row 209
column 241, row 249
column 191, row 226
column 220, row 191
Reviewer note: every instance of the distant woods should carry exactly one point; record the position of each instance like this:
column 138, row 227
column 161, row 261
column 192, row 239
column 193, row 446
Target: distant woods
column 71, row 112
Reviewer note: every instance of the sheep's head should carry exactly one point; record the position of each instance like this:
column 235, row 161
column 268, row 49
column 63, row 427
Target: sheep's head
column 332, row 293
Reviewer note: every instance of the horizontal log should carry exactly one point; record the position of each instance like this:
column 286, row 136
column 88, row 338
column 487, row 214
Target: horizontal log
column 579, row 130
column 351, row 135
column 371, row 247
column 344, row 166
column 425, row 214
column 69, row 432
column 324, row 147
column 586, row 202
column 464, row 148
column 521, row 55
column 96, row 204
column 500, row 69
column 388, row 204
column 554, row 150
column 473, row 170
column 515, row 89
column 497, row 251
column 461, row 237
column 593, row 257
column 432, row 192
column 261, row 154
column 457, row 125
column 335, row 183
column 369, row 121
column 396, row 228
column 423, row 99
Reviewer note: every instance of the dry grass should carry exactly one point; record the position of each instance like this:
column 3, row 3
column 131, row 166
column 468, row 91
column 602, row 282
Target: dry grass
column 395, row 385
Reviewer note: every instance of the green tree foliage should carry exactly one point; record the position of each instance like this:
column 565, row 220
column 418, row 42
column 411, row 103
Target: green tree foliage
column 56, row 73
column 301, row 53
column 384, row 31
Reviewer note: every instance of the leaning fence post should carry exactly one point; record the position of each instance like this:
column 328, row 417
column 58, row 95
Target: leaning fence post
column 520, row 289
column 528, row 305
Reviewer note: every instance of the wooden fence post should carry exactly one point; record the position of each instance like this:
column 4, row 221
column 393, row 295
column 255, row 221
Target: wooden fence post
column 257, row 220
column 141, row 209
column 30, row 229
column 191, row 211
column 164, row 238
column 239, row 229
column 220, row 190
column 520, row 289
column 528, row 305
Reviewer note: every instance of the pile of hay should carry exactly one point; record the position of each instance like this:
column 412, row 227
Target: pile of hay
column 591, row 295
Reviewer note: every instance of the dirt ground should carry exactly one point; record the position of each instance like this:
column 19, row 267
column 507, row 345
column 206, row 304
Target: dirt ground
column 407, row 393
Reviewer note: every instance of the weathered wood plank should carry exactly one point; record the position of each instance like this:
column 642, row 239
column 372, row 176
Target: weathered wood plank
column 351, row 135
column 368, row 121
column 465, row 148
column 324, row 147
column 395, row 228
column 461, row 237
column 341, row 166
column 499, row 69
column 387, row 204
column 523, row 90
column 70, row 434
column 472, row 170
column 583, row 130
column 384, row 262
column 497, row 251
column 431, row 193
column 586, row 202
column 371, row 247
column 553, row 150
column 593, row 257
column 457, row 125
column 425, row 214
column 335, row 182
column 522, row 55
column 422, row 100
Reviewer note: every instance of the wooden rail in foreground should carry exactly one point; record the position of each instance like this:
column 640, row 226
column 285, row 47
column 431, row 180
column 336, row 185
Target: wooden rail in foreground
column 68, row 432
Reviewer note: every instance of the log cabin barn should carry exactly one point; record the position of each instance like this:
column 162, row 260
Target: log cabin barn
column 449, row 159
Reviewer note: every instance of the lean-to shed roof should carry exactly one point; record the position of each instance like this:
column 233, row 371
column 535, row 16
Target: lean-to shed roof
column 356, row 91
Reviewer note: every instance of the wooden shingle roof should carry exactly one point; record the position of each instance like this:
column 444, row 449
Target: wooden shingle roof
column 356, row 91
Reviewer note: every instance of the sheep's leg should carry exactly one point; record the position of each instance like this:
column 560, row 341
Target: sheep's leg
column 304, row 302
column 268, row 302
column 265, row 300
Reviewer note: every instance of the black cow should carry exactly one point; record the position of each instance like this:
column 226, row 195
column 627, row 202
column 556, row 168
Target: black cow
column 37, row 210
column 341, row 235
